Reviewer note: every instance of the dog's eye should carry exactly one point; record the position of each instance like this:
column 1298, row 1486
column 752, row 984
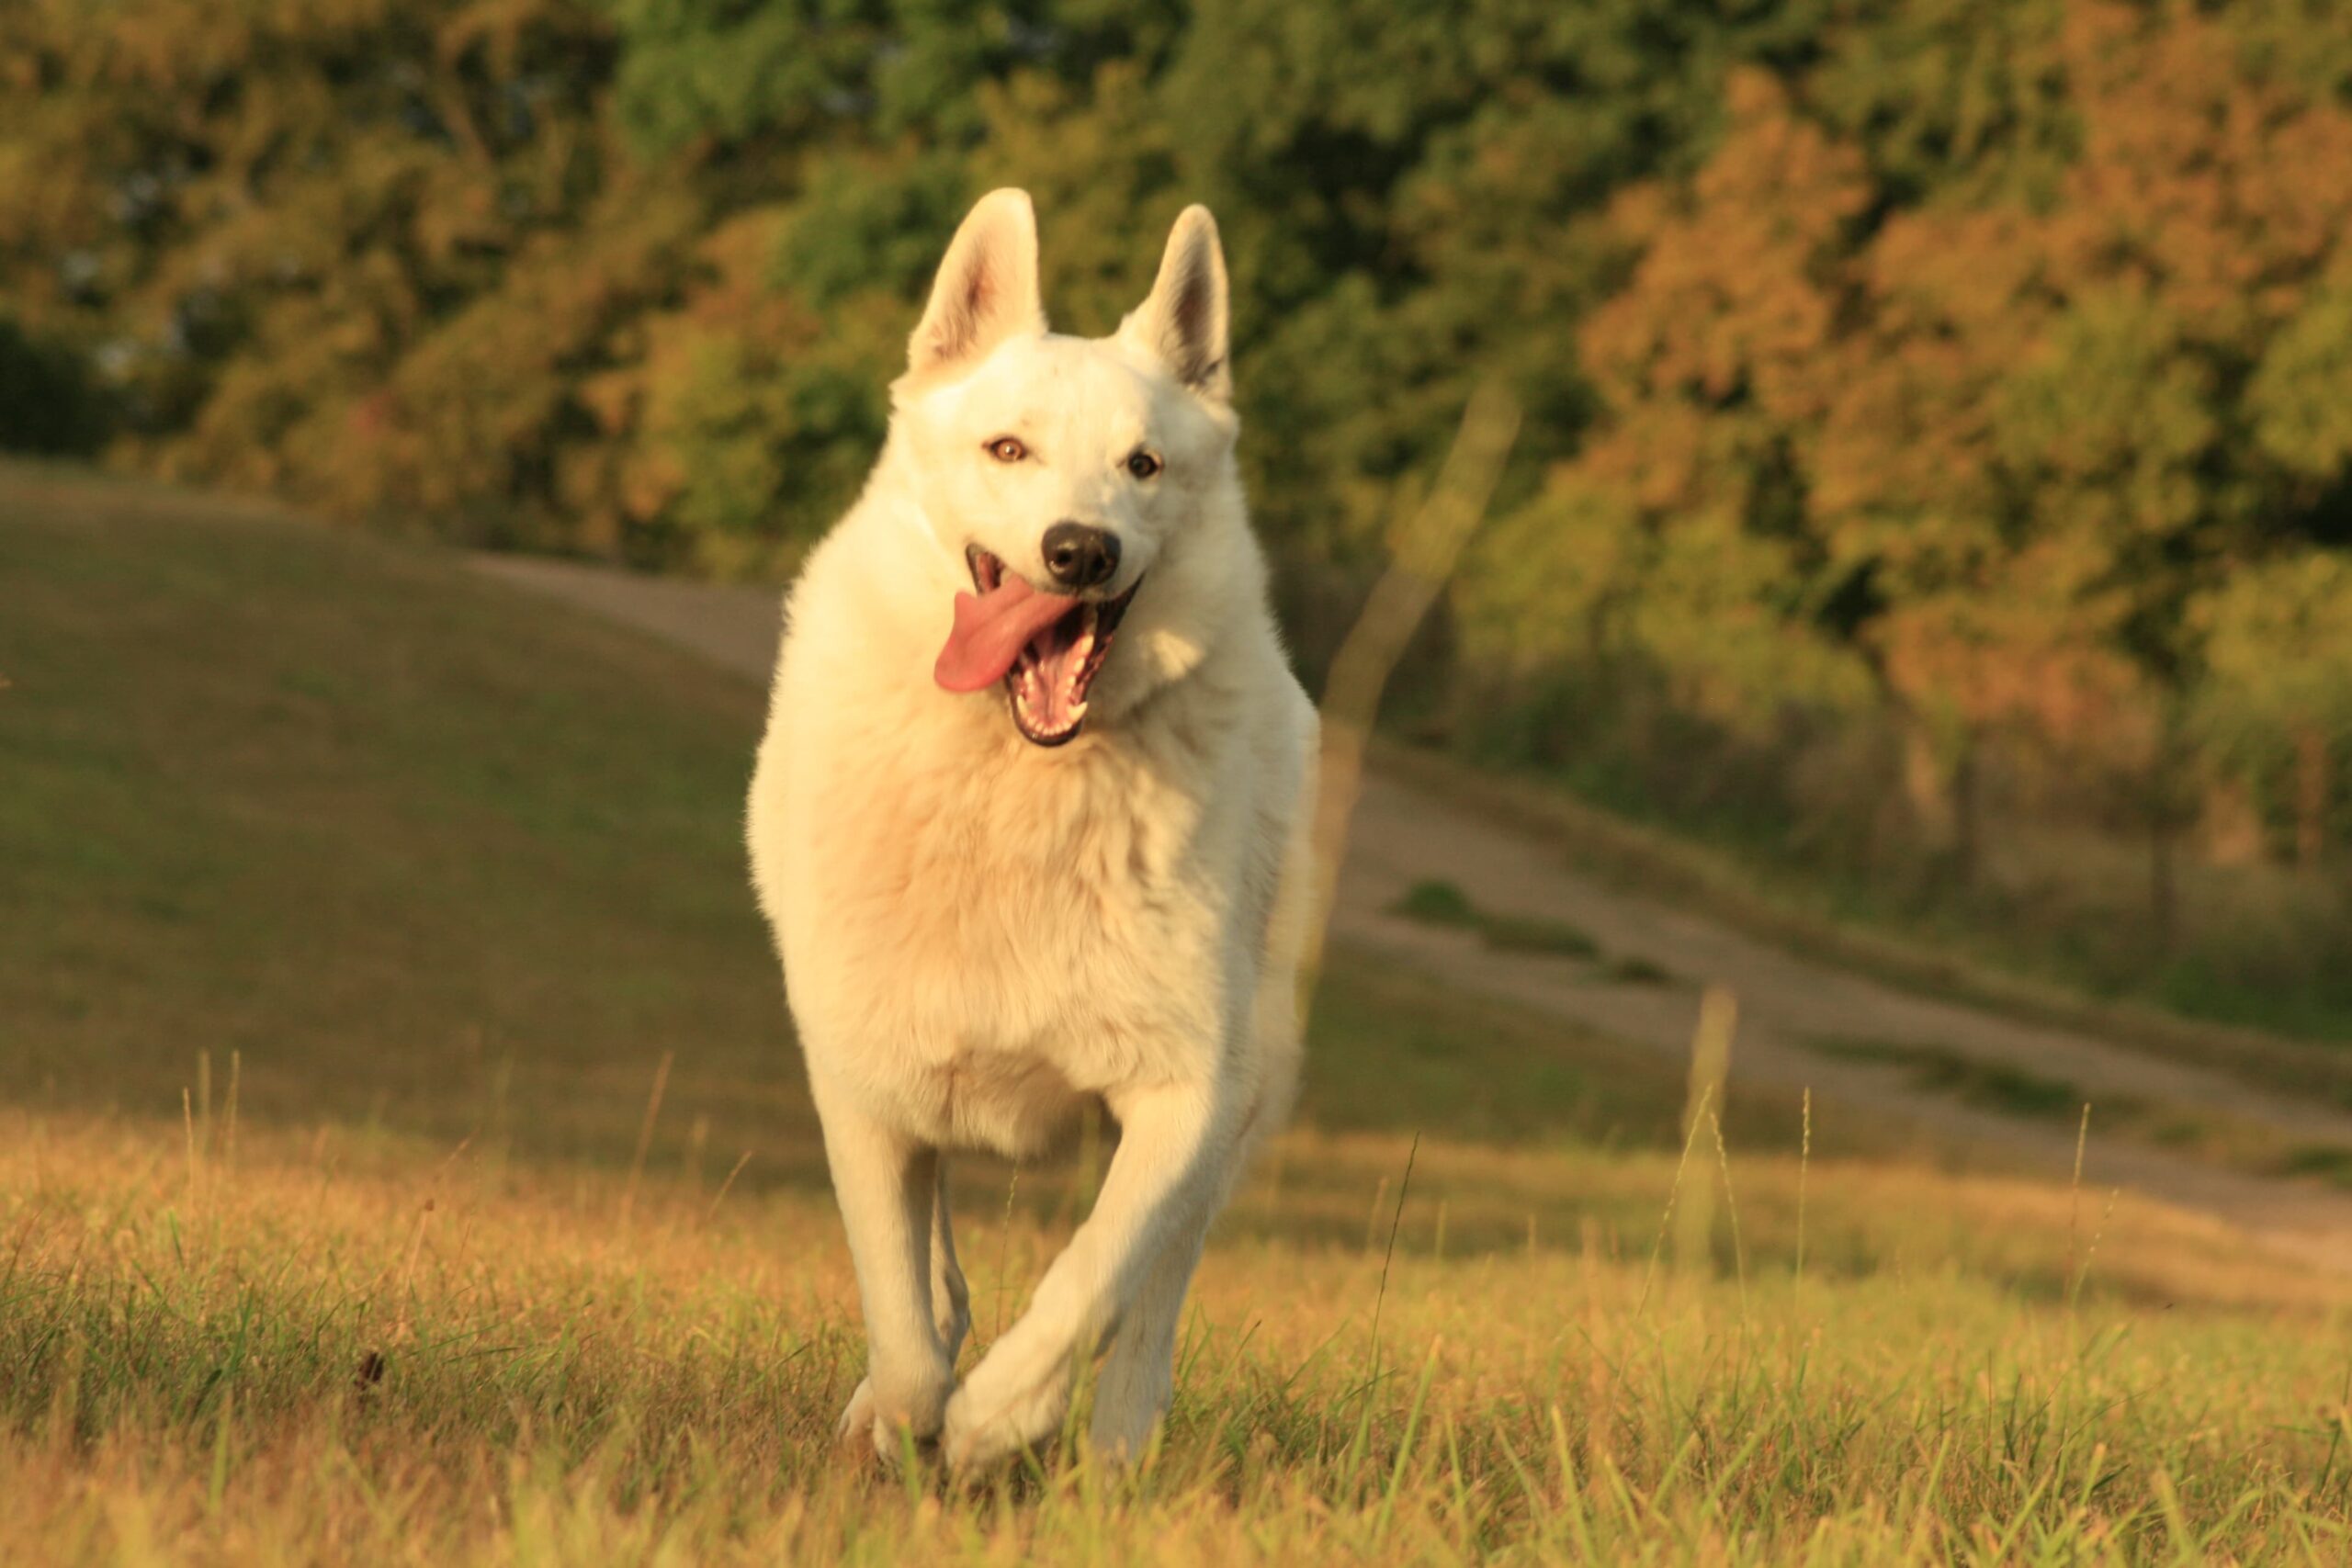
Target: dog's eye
column 1143, row 465
column 1007, row 449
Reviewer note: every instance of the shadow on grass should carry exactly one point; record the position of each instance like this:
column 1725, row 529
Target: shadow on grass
column 1436, row 902
column 1994, row 1086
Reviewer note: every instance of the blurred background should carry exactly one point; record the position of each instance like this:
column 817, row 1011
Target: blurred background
column 1875, row 781
column 1935, row 484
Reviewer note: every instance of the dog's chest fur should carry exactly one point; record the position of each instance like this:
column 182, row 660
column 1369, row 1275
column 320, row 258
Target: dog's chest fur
column 998, row 933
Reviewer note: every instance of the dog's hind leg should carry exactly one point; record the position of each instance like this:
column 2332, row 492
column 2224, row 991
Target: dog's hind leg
column 886, row 1184
column 1176, row 1142
column 951, row 1303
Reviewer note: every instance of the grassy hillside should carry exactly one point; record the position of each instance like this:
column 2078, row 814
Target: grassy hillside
column 411, row 848
column 414, row 851
column 493, row 1228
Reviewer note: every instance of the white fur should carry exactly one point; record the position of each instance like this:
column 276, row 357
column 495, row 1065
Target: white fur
column 980, row 936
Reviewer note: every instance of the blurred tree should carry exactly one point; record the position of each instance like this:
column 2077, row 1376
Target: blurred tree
column 1908, row 383
column 1974, row 392
column 2278, row 695
column 47, row 401
column 264, row 210
column 1682, row 533
column 739, row 81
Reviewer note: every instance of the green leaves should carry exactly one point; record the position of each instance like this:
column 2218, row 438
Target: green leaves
column 2279, row 645
column 1904, row 358
column 2301, row 399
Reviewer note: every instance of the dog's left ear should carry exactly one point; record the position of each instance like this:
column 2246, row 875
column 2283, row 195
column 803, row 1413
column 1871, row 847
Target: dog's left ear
column 1184, row 319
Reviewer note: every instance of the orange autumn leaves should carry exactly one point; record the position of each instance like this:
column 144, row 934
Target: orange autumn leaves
column 2001, row 451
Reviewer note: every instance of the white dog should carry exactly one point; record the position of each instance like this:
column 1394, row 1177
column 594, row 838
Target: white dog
column 1029, row 824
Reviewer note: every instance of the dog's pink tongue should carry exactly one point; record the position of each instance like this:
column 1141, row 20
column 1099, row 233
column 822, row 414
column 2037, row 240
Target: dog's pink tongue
column 991, row 630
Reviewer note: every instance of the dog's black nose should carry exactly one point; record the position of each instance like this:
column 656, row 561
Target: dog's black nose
column 1080, row 556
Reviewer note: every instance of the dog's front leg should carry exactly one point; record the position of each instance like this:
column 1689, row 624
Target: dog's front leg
column 885, row 1183
column 1174, row 1143
column 1139, row 1372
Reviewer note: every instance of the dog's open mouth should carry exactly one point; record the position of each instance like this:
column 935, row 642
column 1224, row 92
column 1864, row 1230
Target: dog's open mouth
column 1045, row 649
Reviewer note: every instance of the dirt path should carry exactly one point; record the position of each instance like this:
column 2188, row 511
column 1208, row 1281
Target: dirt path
column 1788, row 1004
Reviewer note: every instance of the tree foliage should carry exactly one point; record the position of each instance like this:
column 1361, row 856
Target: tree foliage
column 1993, row 375
column 1986, row 372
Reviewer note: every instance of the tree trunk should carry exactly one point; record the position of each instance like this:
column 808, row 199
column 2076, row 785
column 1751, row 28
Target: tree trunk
column 2163, row 899
column 1967, row 811
column 1927, row 790
column 2163, row 825
column 2310, row 796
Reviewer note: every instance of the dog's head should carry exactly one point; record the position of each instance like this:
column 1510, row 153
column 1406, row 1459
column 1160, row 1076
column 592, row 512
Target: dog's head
column 1062, row 470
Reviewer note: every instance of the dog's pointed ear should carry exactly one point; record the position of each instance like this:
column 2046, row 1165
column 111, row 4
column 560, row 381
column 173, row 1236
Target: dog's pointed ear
column 1184, row 319
column 987, row 288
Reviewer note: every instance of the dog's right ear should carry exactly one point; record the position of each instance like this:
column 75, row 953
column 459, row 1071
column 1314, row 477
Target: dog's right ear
column 987, row 289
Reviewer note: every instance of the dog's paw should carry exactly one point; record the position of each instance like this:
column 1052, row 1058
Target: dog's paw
column 857, row 1428
column 1003, row 1408
column 865, row 1424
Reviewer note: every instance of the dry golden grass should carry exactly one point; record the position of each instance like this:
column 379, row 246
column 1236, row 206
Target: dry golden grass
column 340, row 1348
column 440, row 880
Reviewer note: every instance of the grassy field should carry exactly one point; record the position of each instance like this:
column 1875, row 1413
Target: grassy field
column 491, row 1226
